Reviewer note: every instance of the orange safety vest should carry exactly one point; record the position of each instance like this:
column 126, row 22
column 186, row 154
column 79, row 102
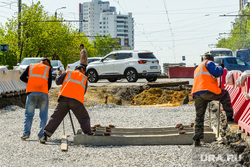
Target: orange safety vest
column 38, row 78
column 203, row 80
column 74, row 86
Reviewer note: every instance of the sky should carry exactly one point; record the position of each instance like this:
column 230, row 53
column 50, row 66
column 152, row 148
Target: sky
column 169, row 28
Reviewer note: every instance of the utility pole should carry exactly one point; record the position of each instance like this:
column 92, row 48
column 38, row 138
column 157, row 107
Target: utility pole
column 19, row 29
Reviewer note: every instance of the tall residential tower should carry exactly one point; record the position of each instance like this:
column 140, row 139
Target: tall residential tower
column 102, row 19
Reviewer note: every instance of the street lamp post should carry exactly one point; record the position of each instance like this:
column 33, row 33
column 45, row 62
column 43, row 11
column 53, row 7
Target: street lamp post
column 59, row 9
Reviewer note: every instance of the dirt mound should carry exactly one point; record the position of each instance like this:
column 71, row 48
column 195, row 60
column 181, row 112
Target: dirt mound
column 155, row 96
column 53, row 94
column 114, row 94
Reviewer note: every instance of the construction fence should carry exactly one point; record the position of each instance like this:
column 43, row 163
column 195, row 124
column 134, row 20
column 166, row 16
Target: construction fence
column 238, row 86
column 178, row 70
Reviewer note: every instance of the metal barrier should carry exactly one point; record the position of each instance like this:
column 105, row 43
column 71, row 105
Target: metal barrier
column 167, row 65
column 10, row 84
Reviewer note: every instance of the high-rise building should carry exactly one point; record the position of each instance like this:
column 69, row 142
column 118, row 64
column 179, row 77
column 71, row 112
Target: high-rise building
column 101, row 18
column 244, row 3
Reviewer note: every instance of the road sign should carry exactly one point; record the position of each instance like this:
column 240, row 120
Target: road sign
column 4, row 47
column 183, row 58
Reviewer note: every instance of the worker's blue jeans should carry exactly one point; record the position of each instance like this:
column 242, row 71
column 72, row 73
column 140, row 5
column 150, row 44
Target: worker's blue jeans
column 42, row 101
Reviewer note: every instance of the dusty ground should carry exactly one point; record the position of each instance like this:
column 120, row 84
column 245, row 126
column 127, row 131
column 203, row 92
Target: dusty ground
column 129, row 95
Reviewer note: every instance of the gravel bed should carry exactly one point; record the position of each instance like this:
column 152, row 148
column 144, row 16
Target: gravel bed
column 14, row 152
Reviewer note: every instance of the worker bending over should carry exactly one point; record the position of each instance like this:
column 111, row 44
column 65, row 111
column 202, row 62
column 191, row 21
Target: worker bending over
column 38, row 77
column 71, row 97
column 205, row 89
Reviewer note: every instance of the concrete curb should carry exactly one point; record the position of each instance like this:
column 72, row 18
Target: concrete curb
column 162, row 136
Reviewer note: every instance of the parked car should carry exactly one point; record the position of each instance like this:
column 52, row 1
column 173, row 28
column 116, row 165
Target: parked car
column 56, row 65
column 27, row 61
column 127, row 64
column 90, row 60
column 232, row 63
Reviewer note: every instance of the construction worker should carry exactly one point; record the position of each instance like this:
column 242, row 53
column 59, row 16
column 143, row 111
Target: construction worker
column 71, row 97
column 38, row 78
column 205, row 89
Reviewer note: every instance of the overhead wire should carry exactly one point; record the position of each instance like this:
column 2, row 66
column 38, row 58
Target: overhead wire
column 200, row 24
column 183, row 39
column 118, row 2
column 125, row 5
column 165, row 6
column 143, row 32
column 192, row 9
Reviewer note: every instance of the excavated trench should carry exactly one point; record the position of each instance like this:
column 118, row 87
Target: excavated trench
column 119, row 95
column 131, row 96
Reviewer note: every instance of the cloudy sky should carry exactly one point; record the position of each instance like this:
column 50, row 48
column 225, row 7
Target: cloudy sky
column 169, row 28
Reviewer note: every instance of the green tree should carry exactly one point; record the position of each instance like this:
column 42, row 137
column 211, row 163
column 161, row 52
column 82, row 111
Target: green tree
column 45, row 36
column 8, row 58
column 239, row 37
column 105, row 44
column 2, row 33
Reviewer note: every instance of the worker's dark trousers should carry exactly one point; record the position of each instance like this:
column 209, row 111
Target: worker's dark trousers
column 63, row 107
column 201, row 102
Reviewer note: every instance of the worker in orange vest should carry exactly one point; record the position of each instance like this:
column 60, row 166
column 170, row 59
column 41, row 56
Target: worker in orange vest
column 38, row 78
column 205, row 89
column 71, row 97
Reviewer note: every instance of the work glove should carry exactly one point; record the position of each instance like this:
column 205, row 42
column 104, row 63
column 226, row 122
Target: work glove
column 59, row 71
column 222, row 65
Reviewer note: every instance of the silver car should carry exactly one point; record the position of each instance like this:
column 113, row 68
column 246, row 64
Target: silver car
column 27, row 61
column 56, row 65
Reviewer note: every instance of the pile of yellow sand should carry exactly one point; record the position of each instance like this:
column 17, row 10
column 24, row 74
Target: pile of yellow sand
column 155, row 96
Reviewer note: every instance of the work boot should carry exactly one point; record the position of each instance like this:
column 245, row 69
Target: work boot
column 24, row 137
column 230, row 120
column 197, row 143
column 43, row 139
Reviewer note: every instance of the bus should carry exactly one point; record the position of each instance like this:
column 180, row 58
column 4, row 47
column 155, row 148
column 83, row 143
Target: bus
column 220, row 52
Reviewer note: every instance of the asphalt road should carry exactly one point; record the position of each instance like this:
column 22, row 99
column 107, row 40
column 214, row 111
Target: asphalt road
column 124, row 82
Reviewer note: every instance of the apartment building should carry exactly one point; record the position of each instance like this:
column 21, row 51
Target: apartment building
column 103, row 19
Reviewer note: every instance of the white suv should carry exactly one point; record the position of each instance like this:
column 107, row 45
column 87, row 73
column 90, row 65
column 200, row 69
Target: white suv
column 125, row 64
